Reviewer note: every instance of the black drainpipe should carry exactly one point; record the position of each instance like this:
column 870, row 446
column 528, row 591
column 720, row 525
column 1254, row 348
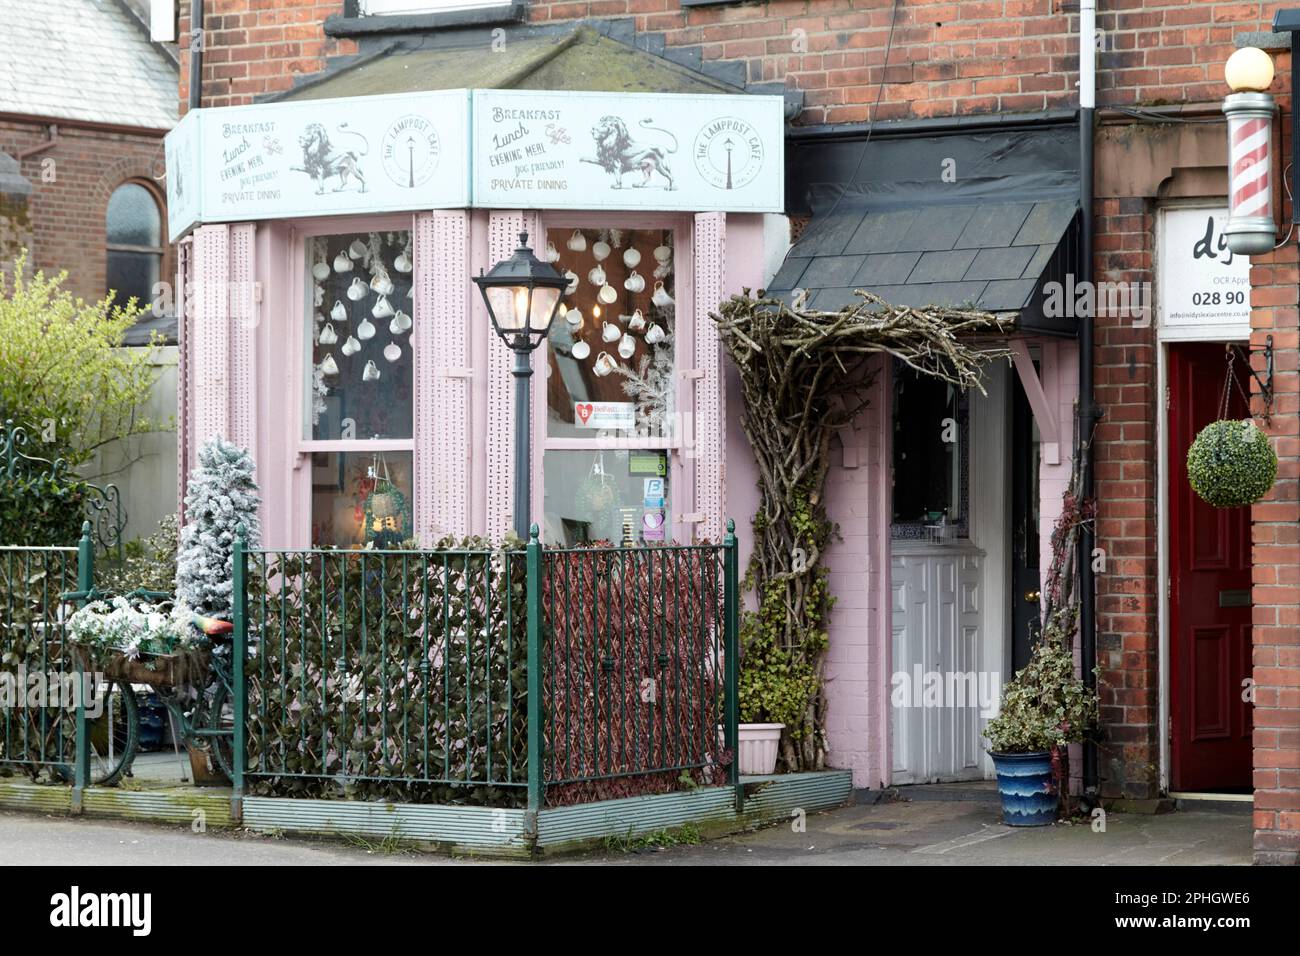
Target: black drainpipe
column 197, row 40
column 1088, row 416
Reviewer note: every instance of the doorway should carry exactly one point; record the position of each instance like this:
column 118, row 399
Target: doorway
column 1209, row 595
column 1026, row 573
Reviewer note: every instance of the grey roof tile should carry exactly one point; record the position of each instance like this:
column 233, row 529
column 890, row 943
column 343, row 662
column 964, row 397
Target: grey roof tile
column 787, row 277
column 881, row 231
column 886, row 268
column 827, row 271
column 1007, row 295
column 948, row 266
column 1046, row 223
column 1008, row 263
column 935, row 228
column 828, row 235
column 993, row 225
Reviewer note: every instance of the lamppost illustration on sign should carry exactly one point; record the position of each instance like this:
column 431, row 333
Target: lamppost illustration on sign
column 728, row 153
column 410, row 151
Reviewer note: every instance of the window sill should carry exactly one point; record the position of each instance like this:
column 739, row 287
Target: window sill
column 379, row 24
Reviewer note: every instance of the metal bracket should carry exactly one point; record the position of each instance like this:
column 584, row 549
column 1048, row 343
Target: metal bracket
column 1266, row 383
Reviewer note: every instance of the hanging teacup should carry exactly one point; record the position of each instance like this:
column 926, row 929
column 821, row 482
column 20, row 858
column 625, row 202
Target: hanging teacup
column 631, row 258
column 321, row 271
column 328, row 366
column 327, row 335
column 596, row 276
column 661, row 297
column 358, row 290
column 604, row 364
column 365, row 331
column 655, row 334
column 339, row 313
column 401, row 323
column 577, row 241
column 383, row 308
column 357, row 249
column 580, row 349
column 634, row 282
column 626, row 345
column 351, row 347
column 402, row 263
column 573, row 317
column 392, row 351
column 600, row 250
column 371, row 372
column 610, row 332
column 573, row 282
column 342, row 263
column 636, row 321
column 382, row 284
column 663, row 253
column 607, row 294
column 552, row 254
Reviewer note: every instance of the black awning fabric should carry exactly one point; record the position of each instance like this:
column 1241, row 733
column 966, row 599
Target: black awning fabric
column 990, row 242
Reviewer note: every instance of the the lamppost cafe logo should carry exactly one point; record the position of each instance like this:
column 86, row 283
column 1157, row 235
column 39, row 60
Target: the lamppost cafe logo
column 410, row 151
column 728, row 152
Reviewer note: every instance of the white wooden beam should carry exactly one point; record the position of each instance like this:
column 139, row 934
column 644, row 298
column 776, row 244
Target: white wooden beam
column 1049, row 429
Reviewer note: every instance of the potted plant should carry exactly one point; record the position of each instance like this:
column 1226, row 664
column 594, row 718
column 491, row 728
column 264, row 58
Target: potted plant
column 773, row 691
column 1045, row 708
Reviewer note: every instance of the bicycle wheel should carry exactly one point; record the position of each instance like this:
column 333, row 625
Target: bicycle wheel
column 221, row 716
column 114, row 734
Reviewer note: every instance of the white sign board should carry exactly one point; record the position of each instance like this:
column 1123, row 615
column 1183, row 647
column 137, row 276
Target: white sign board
column 577, row 150
column 1204, row 288
column 319, row 158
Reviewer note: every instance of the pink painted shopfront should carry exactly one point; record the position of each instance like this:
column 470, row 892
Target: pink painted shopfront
column 330, row 324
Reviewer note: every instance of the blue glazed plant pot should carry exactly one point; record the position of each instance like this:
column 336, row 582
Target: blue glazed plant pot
column 1029, row 797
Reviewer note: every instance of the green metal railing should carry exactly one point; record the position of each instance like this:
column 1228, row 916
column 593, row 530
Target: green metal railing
column 551, row 674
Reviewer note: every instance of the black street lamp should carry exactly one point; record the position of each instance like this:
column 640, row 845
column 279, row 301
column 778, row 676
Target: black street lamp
column 522, row 294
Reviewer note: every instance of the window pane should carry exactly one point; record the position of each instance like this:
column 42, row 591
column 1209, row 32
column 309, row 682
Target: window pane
column 133, row 217
column 619, row 496
column 360, row 317
column 361, row 499
column 133, row 274
column 611, row 359
column 929, row 450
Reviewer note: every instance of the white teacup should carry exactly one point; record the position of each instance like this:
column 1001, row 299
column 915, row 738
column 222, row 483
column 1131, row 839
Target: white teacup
column 631, row 258
column 402, row 263
column 577, row 241
column 573, row 282
column 401, row 323
column 573, row 317
column 610, row 332
column 351, row 347
column 383, row 308
column 600, row 250
column 660, row 297
column 357, row 249
column 382, row 284
column 604, row 364
column 636, row 321
column 358, row 290
column 371, row 372
column 327, row 334
column 321, row 271
column 596, row 276
column 580, row 349
column 607, row 294
column 392, row 351
column 634, row 282
column 552, row 254
column 663, row 253
column 328, row 366
column 365, row 331
column 627, row 345
column 339, row 313
column 342, row 263
column 655, row 334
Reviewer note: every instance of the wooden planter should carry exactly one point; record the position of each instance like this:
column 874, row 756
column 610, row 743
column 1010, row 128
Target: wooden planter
column 163, row 671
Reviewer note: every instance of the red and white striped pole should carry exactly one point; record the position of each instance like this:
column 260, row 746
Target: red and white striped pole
column 1250, row 230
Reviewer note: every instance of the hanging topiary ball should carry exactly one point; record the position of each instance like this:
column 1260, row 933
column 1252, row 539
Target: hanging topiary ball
column 1231, row 463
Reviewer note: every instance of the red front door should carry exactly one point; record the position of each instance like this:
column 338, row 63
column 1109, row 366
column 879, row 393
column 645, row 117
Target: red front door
column 1209, row 593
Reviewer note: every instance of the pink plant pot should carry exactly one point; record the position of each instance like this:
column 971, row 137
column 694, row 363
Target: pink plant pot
column 759, row 744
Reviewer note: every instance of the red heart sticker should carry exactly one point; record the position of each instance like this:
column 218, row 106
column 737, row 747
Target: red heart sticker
column 584, row 411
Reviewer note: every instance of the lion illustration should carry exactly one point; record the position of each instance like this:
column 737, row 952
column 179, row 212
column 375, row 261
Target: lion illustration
column 321, row 159
column 618, row 153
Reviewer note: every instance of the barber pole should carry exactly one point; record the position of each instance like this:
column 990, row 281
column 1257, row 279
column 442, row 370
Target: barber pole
column 1250, row 230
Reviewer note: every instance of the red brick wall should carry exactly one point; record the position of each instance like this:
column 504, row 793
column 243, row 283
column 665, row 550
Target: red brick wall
column 946, row 58
column 66, row 215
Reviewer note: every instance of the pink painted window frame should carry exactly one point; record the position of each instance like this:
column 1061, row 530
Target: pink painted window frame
column 300, row 230
column 681, row 468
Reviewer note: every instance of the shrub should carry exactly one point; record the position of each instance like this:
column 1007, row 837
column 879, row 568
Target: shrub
column 42, row 510
column 148, row 563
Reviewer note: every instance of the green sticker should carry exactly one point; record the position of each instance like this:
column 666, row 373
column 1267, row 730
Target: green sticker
column 647, row 463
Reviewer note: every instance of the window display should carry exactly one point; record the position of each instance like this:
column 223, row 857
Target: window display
column 361, row 499
column 360, row 315
column 611, row 348
column 614, row 495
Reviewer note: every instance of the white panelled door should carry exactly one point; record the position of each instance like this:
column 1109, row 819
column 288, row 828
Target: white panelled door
column 936, row 600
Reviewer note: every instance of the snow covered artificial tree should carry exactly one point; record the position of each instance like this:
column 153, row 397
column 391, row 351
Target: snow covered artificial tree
column 221, row 496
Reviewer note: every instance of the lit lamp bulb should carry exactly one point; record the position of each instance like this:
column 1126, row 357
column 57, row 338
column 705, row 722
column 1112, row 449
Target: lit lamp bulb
column 1249, row 70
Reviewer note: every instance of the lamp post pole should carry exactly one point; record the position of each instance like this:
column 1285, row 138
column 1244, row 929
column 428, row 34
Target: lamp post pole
column 523, row 373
